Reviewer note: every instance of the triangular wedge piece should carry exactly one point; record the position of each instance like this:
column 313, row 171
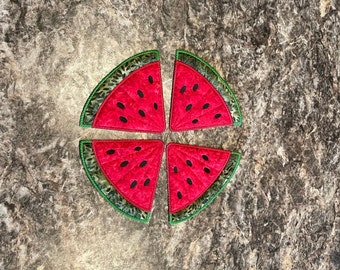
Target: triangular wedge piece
column 129, row 98
column 125, row 172
column 196, row 175
column 201, row 98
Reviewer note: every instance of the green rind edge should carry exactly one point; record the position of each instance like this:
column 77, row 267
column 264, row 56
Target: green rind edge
column 88, row 174
column 112, row 72
column 226, row 181
column 220, row 79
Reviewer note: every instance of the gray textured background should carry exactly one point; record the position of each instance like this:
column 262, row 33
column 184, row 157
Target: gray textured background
column 281, row 210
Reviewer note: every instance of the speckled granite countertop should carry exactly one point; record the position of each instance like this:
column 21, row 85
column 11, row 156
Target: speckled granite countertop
column 281, row 210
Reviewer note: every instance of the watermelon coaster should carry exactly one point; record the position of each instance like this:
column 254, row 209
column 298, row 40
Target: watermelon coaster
column 125, row 173
column 201, row 98
column 196, row 175
column 129, row 98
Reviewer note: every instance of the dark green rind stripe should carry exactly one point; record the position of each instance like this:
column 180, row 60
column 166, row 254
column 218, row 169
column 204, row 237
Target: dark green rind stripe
column 103, row 186
column 215, row 79
column 110, row 81
column 209, row 196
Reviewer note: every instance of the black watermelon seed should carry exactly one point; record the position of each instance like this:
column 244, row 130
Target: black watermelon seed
column 206, row 106
column 141, row 113
column 195, row 87
column 140, row 93
column 138, row 148
column 155, row 106
column 123, row 119
column 124, row 163
column 189, row 181
column 110, row 151
column 189, row 163
column 175, row 170
column 179, row 195
column 133, row 184
column 206, row 170
column 120, row 105
column 194, row 121
column 150, row 79
column 218, row 115
column 188, row 107
column 205, row 157
column 183, row 89
column 146, row 182
column 143, row 163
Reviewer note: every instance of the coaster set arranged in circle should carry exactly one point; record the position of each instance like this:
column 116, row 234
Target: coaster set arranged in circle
column 130, row 98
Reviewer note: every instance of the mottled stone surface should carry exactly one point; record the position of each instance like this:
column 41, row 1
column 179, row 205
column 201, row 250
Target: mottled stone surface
column 281, row 210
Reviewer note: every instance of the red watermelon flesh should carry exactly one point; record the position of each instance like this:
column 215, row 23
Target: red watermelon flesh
column 136, row 103
column 191, row 171
column 132, row 167
column 196, row 103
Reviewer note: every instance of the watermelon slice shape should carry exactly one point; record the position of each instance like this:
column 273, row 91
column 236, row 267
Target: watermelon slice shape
column 125, row 173
column 129, row 98
column 196, row 175
column 201, row 98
